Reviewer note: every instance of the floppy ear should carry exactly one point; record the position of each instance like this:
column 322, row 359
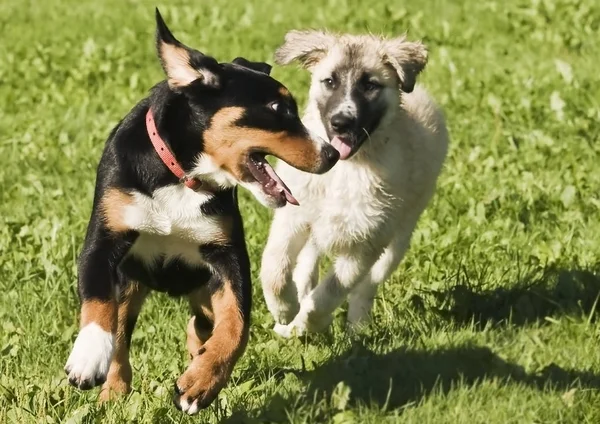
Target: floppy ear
column 307, row 47
column 262, row 67
column 182, row 64
column 407, row 58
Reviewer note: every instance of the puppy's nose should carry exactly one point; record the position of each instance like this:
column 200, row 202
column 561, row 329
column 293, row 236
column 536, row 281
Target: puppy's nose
column 329, row 157
column 342, row 123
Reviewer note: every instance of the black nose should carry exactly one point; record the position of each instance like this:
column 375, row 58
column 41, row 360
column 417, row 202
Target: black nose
column 329, row 157
column 342, row 123
column 330, row 153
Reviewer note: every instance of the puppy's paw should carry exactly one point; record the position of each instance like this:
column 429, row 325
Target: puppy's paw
column 282, row 308
column 300, row 326
column 200, row 384
column 90, row 358
column 288, row 330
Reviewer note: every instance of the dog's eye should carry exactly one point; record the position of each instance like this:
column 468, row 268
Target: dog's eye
column 328, row 82
column 281, row 108
column 371, row 86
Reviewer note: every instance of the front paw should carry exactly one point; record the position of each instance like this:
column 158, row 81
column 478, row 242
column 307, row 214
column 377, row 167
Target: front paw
column 289, row 330
column 300, row 326
column 90, row 358
column 283, row 309
column 200, row 384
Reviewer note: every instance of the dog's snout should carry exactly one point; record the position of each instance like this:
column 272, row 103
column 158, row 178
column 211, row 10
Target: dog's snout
column 342, row 123
column 329, row 157
column 330, row 154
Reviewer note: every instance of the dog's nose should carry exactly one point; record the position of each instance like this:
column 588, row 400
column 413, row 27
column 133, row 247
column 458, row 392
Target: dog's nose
column 342, row 123
column 330, row 154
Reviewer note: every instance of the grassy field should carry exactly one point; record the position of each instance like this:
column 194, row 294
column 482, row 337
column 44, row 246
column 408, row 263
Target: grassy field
column 491, row 318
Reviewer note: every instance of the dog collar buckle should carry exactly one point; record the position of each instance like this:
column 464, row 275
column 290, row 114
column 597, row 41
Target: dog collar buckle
column 190, row 182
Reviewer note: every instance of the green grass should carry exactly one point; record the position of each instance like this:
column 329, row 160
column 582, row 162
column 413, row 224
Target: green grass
column 490, row 319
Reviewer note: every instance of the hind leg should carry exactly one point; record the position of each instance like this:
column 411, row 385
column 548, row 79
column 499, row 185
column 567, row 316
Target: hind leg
column 360, row 300
column 200, row 325
column 119, row 376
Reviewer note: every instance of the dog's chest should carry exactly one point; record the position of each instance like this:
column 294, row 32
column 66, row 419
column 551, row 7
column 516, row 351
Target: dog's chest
column 353, row 207
column 171, row 226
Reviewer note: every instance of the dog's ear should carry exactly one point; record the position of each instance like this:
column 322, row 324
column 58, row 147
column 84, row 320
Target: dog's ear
column 262, row 67
column 407, row 58
column 307, row 47
column 182, row 64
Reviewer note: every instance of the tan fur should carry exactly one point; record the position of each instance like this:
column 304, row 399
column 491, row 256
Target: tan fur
column 308, row 47
column 112, row 206
column 201, row 304
column 228, row 144
column 102, row 313
column 285, row 92
column 176, row 63
column 119, row 376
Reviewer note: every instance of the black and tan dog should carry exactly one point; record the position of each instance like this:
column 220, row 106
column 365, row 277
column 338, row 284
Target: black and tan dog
column 165, row 214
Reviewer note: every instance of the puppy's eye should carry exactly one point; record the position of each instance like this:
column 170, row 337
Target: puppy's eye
column 329, row 83
column 274, row 106
column 371, row 86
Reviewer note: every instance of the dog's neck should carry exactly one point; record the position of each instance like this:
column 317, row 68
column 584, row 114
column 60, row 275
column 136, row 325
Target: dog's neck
column 172, row 114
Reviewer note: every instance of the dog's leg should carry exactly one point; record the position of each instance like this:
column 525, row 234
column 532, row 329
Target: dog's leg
column 360, row 300
column 92, row 352
column 131, row 299
column 214, row 360
column 201, row 324
column 306, row 272
column 286, row 239
column 317, row 307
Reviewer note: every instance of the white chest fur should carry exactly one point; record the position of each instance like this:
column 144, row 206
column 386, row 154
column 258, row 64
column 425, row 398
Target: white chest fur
column 348, row 205
column 171, row 224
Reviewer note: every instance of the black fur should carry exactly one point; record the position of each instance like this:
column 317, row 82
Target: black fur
column 366, row 95
column 129, row 164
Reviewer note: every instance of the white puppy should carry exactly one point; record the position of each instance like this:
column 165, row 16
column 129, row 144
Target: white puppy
column 392, row 140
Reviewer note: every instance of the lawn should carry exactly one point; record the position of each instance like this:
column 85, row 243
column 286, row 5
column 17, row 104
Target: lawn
column 491, row 318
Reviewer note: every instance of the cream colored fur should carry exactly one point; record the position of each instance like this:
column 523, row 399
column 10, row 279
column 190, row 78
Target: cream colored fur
column 362, row 212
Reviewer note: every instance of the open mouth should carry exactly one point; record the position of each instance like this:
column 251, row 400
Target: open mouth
column 271, row 184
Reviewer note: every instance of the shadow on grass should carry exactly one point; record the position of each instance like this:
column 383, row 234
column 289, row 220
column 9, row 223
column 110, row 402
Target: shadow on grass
column 545, row 293
column 405, row 377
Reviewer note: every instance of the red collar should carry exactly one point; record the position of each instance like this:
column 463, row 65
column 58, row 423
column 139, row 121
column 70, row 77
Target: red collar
column 167, row 156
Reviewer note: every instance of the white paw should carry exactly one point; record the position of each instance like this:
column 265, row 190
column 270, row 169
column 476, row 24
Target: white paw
column 282, row 308
column 90, row 358
column 288, row 330
column 299, row 326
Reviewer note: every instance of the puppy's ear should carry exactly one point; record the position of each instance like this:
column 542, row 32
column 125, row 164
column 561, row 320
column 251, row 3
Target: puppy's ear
column 262, row 67
column 307, row 47
column 407, row 58
column 182, row 64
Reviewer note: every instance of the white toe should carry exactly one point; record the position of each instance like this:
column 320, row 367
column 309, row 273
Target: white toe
column 91, row 355
column 193, row 408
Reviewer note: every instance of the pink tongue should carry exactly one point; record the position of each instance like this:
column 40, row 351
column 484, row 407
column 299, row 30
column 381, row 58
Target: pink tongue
column 341, row 146
column 281, row 185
